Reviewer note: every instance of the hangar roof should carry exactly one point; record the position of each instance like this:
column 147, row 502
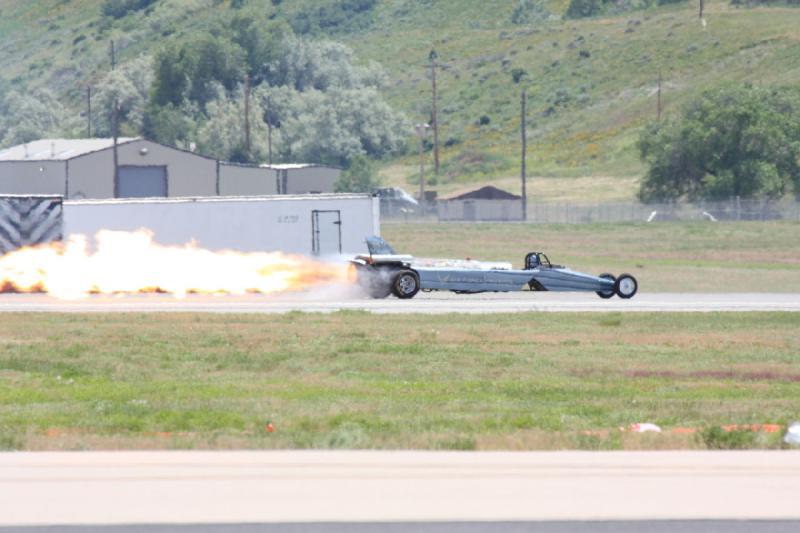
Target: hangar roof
column 58, row 149
column 486, row 193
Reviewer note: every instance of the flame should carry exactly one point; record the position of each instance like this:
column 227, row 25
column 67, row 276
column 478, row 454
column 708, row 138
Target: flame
column 130, row 262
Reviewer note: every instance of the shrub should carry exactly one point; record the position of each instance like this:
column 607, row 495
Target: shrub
column 119, row 8
column 528, row 11
column 716, row 438
column 359, row 177
column 584, row 8
column 333, row 15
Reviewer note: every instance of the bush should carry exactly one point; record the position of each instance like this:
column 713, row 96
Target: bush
column 716, row 438
column 359, row 177
column 333, row 15
column 529, row 11
column 584, row 8
column 119, row 8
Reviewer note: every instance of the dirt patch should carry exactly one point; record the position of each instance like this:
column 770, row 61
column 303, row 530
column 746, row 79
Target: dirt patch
column 757, row 375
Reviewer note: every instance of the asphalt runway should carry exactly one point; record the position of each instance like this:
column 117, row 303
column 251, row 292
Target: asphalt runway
column 379, row 488
column 334, row 299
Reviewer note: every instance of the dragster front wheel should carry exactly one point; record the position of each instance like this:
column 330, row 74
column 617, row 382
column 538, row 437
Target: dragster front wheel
column 406, row 284
column 626, row 286
column 609, row 293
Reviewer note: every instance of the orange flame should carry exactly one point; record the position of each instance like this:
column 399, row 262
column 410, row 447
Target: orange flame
column 127, row 262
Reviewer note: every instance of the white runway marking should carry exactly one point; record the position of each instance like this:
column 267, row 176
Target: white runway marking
column 433, row 303
column 313, row 486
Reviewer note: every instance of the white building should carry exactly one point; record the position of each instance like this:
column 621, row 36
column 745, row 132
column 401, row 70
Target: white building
column 323, row 224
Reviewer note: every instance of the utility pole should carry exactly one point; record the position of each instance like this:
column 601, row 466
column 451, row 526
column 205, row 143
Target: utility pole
column 247, row 114
column 115, row 125
column 700, row 16
column 267, row 103
column 421, row 131
column 434, row 118
column 269, row 142
column 658, row 104
column 523, row 102
column 89, row 111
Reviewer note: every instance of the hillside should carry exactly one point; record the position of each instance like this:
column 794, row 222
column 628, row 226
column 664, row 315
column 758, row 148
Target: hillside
column 591, row 82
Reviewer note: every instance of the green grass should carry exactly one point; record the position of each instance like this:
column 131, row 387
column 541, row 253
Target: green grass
column 356, row 380
column 667, row 257
column 599, row 103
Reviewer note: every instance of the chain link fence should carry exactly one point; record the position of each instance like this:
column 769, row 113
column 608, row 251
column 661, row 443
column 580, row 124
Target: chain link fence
column 569, row 213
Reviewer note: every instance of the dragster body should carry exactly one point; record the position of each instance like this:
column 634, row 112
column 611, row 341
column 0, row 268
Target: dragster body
column 383, row 272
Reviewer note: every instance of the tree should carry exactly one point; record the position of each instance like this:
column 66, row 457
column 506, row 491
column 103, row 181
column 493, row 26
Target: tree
column 187, row 69
column 27, row 117
column 322, row 65
column 733, row 141
column 173, row 125
column 359, row 177
column 221, row 133
column 334, row 126
column 262, row 40
column 130, row 86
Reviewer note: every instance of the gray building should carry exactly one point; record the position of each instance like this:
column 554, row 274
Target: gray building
column 84, row 168
column 304, row 178
column 487, row 203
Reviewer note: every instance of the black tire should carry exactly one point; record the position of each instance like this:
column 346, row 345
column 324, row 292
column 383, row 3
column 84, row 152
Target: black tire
column 607, row 294
column 405, row 284
column 378, row 290
column 626, row 286
column 374, row 281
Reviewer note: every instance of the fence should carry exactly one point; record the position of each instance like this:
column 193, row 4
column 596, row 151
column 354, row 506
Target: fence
column 568, row 213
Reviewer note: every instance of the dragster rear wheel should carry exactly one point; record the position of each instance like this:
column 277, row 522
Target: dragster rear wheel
column 626, row 286
column 405, row 284
column 609, row 293
column 376, row 282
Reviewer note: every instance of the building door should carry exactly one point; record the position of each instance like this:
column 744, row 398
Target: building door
column 470, row 210
column 326, row 232
column 142, row 182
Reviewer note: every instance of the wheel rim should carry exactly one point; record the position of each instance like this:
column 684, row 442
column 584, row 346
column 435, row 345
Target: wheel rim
column 627, row 286
column 407, row 284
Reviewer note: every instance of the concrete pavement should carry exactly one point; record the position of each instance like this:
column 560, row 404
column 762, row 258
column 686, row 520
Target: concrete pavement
column 186, row 487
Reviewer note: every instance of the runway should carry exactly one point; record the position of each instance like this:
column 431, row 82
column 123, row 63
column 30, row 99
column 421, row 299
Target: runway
column 333, row 300
column 84, row 488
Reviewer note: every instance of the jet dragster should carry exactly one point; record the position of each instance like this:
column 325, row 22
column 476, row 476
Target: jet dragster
column 384, row 272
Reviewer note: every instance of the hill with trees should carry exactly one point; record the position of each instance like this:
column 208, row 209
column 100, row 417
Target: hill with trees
column 337, row 79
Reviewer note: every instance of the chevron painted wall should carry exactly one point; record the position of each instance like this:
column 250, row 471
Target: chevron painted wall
column 28, row 220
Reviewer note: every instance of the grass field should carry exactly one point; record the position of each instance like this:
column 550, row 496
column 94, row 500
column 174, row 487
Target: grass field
column 668, row 257
column 356, row 380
